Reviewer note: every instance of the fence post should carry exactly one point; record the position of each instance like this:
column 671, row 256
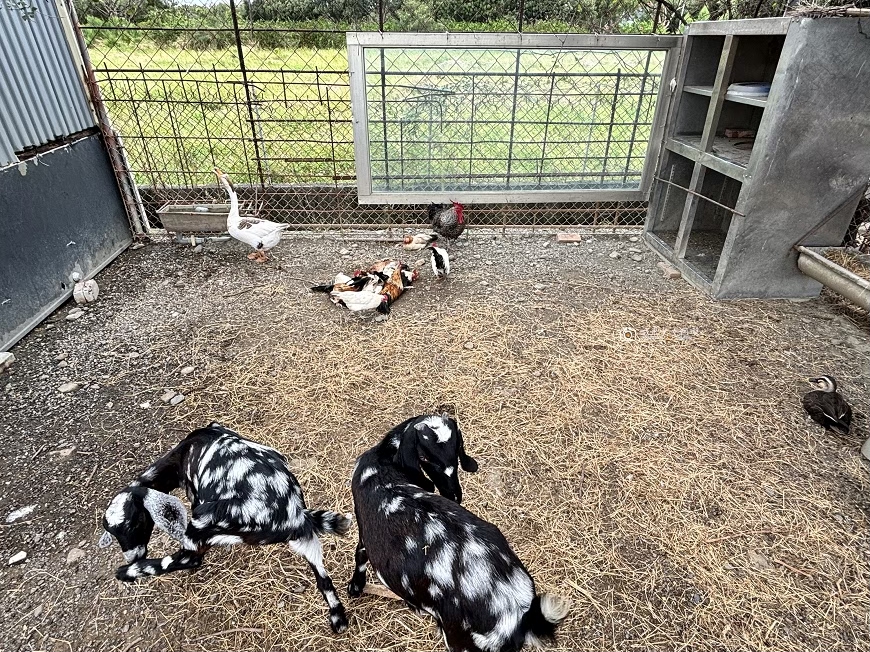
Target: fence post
column 123, row 176
column 248, row 99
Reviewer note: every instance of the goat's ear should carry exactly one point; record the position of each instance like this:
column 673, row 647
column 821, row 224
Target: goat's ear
column 407, row 456
column 168, row 513
column 467, row 462
column 105, row 540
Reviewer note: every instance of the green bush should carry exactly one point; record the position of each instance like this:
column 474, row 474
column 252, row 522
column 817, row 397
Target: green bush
column 273, row 39
column 208, row 40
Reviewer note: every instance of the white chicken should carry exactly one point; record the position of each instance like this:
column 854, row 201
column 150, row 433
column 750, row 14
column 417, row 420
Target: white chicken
column 440, row 262
column 361, row 300
column 419, row 241
column 262, row 235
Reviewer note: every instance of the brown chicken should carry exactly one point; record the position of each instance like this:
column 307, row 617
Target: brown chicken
column 400, row 278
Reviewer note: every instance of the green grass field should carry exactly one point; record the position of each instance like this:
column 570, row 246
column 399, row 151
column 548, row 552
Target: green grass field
column 182, row 111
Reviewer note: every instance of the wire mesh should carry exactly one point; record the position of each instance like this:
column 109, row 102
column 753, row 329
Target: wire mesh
column 858, row 234
column 495, row 119
column 262, row 91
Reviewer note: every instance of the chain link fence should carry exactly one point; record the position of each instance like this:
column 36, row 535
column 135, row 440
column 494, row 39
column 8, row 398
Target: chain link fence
column 858, row 235
column 261, row 90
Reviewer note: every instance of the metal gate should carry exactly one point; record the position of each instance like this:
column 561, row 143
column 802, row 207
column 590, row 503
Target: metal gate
column 196, row 87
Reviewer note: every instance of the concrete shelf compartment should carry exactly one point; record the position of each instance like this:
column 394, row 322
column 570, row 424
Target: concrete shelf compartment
column 745, row 177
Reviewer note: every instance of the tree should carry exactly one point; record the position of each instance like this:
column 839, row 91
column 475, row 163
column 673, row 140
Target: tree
column 25, row 8
column 133, row 11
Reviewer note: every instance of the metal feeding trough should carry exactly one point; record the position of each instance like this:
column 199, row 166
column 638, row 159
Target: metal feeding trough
column 179, row 217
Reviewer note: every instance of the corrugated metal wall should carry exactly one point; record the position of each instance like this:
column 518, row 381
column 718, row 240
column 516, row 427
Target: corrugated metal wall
column 41, row 95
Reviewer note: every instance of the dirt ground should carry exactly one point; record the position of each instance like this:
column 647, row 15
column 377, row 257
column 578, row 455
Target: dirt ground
column 671, row 484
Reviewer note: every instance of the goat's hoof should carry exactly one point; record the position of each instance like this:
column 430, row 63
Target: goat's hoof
column 338, row 620
column 355, row 590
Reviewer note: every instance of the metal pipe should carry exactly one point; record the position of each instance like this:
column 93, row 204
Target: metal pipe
column 697, row 194
column 840, row 280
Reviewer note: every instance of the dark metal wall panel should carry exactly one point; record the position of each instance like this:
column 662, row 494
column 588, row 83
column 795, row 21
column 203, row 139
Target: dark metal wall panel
column 63, row 215
column 41, row 95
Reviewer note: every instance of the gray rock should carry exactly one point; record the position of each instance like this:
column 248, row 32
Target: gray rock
column 634, row 238
column 43, row 376
column 136, row 246
column 420, row 262
column 48, row 327
column 61, row 356
column 74, row 556
column 634, row 250
column 19, row 513
column 186, row 371
column 145, row 405
column 469, row 345
column 63, row 364
column 484, row 283
column 669, row 271
column 615, row 255
column 17, row 558
column 344, row 252
column 168, row 395
column 197, row 249
column 77, row 313
column 66, row 388
column 6, row 360
column 636, row 257
column 381, row 318
column 64, row 452
column 546, row 245
column 178, row 398
column 539, row 286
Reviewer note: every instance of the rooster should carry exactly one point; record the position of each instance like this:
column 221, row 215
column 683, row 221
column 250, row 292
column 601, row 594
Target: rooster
column 375, row 288
column 399, row 280
column 447, row 221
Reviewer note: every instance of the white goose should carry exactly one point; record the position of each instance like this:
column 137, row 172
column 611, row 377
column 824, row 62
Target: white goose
column 262, row 235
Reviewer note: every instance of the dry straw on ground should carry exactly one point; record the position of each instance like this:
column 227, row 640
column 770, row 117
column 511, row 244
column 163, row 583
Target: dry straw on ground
column 668, row 484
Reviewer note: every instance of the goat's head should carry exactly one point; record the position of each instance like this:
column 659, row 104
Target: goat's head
column 132, row 515
column 429, row 450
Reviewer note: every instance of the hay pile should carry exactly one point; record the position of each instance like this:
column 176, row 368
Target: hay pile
column 853, row 262
column 669, row 484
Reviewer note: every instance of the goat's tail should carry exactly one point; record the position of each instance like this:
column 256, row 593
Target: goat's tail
column 326, row 522
column 543, row 617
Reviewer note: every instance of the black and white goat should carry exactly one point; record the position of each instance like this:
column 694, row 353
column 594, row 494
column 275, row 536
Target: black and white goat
column 439, row 557
column 240, row 492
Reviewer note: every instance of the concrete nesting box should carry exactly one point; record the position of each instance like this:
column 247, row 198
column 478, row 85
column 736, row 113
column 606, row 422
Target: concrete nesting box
column 745, row 175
